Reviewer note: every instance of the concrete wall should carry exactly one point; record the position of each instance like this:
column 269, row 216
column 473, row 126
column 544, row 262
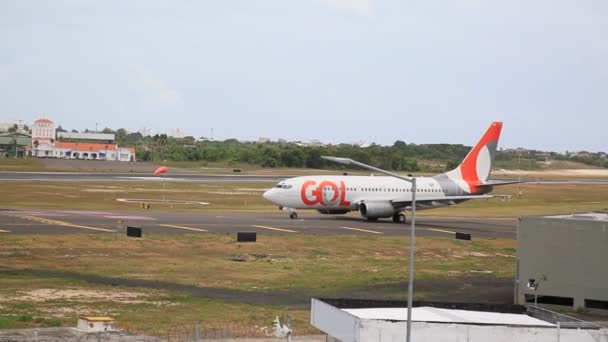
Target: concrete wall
column 570, row 254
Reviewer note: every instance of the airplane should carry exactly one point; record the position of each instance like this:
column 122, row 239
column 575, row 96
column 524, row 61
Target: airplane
column 376, row 197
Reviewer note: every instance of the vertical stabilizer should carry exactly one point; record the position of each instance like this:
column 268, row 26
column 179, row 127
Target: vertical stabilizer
column 476, row 166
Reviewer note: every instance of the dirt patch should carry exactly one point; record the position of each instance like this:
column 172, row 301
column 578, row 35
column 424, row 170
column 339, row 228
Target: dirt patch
column 282, row 297
column 44, row 295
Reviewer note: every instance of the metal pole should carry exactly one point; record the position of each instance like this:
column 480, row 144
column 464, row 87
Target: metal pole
column 197, row 331
column 163, row 189
column 410, row 290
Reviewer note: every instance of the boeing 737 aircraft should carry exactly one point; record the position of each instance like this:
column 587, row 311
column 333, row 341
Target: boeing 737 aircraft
column 389, row 196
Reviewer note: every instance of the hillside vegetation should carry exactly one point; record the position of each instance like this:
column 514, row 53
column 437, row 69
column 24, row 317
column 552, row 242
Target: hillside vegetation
column 400, row 156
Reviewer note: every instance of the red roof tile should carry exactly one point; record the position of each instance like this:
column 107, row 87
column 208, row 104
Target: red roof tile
column 86, row 147
column 43, row 121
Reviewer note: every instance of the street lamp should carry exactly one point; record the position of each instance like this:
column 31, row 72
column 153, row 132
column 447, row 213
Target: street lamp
column 533, row 285
column 412, row 180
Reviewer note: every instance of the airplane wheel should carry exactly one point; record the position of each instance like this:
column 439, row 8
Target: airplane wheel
column 399, row 218
column 293, row 216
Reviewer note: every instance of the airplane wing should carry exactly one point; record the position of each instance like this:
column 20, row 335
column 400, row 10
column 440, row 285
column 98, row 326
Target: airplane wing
column 495, row 182
column 348, row 161
column 400, row 203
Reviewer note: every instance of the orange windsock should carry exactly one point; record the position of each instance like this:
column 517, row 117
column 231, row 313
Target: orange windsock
column 161, row 170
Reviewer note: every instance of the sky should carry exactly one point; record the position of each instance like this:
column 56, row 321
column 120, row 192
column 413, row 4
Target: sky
column 424, row 71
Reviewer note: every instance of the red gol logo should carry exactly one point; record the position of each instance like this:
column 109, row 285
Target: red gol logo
column 317, row 193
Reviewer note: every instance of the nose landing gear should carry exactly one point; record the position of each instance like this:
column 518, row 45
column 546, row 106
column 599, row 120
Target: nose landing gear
column 292, row 212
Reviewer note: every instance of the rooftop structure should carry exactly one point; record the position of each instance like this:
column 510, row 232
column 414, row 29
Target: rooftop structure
column 364, row 320
column 561, row 261
column 583, row 216
column 97, row 324
column 87, row 136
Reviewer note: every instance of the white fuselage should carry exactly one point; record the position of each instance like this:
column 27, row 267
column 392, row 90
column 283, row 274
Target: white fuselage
column 346, row 192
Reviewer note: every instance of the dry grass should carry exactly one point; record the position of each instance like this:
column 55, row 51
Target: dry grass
column 300, row 265
column 533, row 199
column 273, row 263
column 20, row 165
column 104, row 195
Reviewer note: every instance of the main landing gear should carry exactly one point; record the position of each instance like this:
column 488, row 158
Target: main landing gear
column 399, row 218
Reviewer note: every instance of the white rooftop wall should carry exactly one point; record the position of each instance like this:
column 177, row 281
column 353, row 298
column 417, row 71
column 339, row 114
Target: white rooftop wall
column 429, row 314
column 346, row 327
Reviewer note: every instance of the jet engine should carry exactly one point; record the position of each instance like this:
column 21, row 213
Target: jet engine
column 375, row 210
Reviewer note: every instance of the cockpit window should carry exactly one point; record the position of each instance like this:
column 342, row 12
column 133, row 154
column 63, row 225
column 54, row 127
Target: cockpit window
column 284, row 186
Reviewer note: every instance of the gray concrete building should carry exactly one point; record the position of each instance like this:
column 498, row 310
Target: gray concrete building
column 563, row 261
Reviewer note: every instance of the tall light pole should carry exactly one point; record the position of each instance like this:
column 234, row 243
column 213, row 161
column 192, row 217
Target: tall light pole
column 412, row 180
column 410, row 286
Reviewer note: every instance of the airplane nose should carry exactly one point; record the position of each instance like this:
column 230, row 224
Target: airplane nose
column 266, row 194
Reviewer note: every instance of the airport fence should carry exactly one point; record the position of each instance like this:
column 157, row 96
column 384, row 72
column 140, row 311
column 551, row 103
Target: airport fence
column 563, row 321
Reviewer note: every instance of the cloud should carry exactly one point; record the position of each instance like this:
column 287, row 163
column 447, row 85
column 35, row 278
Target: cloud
column 152, row 91
column 363, row 8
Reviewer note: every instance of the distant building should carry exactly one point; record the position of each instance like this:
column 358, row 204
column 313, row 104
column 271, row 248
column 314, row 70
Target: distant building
column 48, row 143
column 263, row 140
column 362, row 144
column 310, row 143
column 14, row 144
column 105, row 137
column 43, row 138
column 92, row 151
column 177, row 133
column 21, row 127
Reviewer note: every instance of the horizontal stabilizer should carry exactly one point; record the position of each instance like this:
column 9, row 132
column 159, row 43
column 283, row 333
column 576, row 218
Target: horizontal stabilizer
column 495, row 182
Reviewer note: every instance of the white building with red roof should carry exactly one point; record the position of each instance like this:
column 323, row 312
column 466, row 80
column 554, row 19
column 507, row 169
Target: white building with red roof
column 43, row 138
column 45, row 144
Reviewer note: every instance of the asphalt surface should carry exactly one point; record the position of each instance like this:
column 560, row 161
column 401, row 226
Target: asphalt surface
column 113, row 177
column 195, row 177
column 114, row 222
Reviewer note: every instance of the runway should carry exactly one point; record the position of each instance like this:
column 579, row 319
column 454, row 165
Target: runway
column 131, row 177
column 115, row 222
column 196, row 177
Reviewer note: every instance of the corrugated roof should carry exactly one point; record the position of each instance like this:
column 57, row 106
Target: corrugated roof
column 99, row 319
column 430, row 314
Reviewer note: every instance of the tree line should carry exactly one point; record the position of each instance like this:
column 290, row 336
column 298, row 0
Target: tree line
column 400, row 156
